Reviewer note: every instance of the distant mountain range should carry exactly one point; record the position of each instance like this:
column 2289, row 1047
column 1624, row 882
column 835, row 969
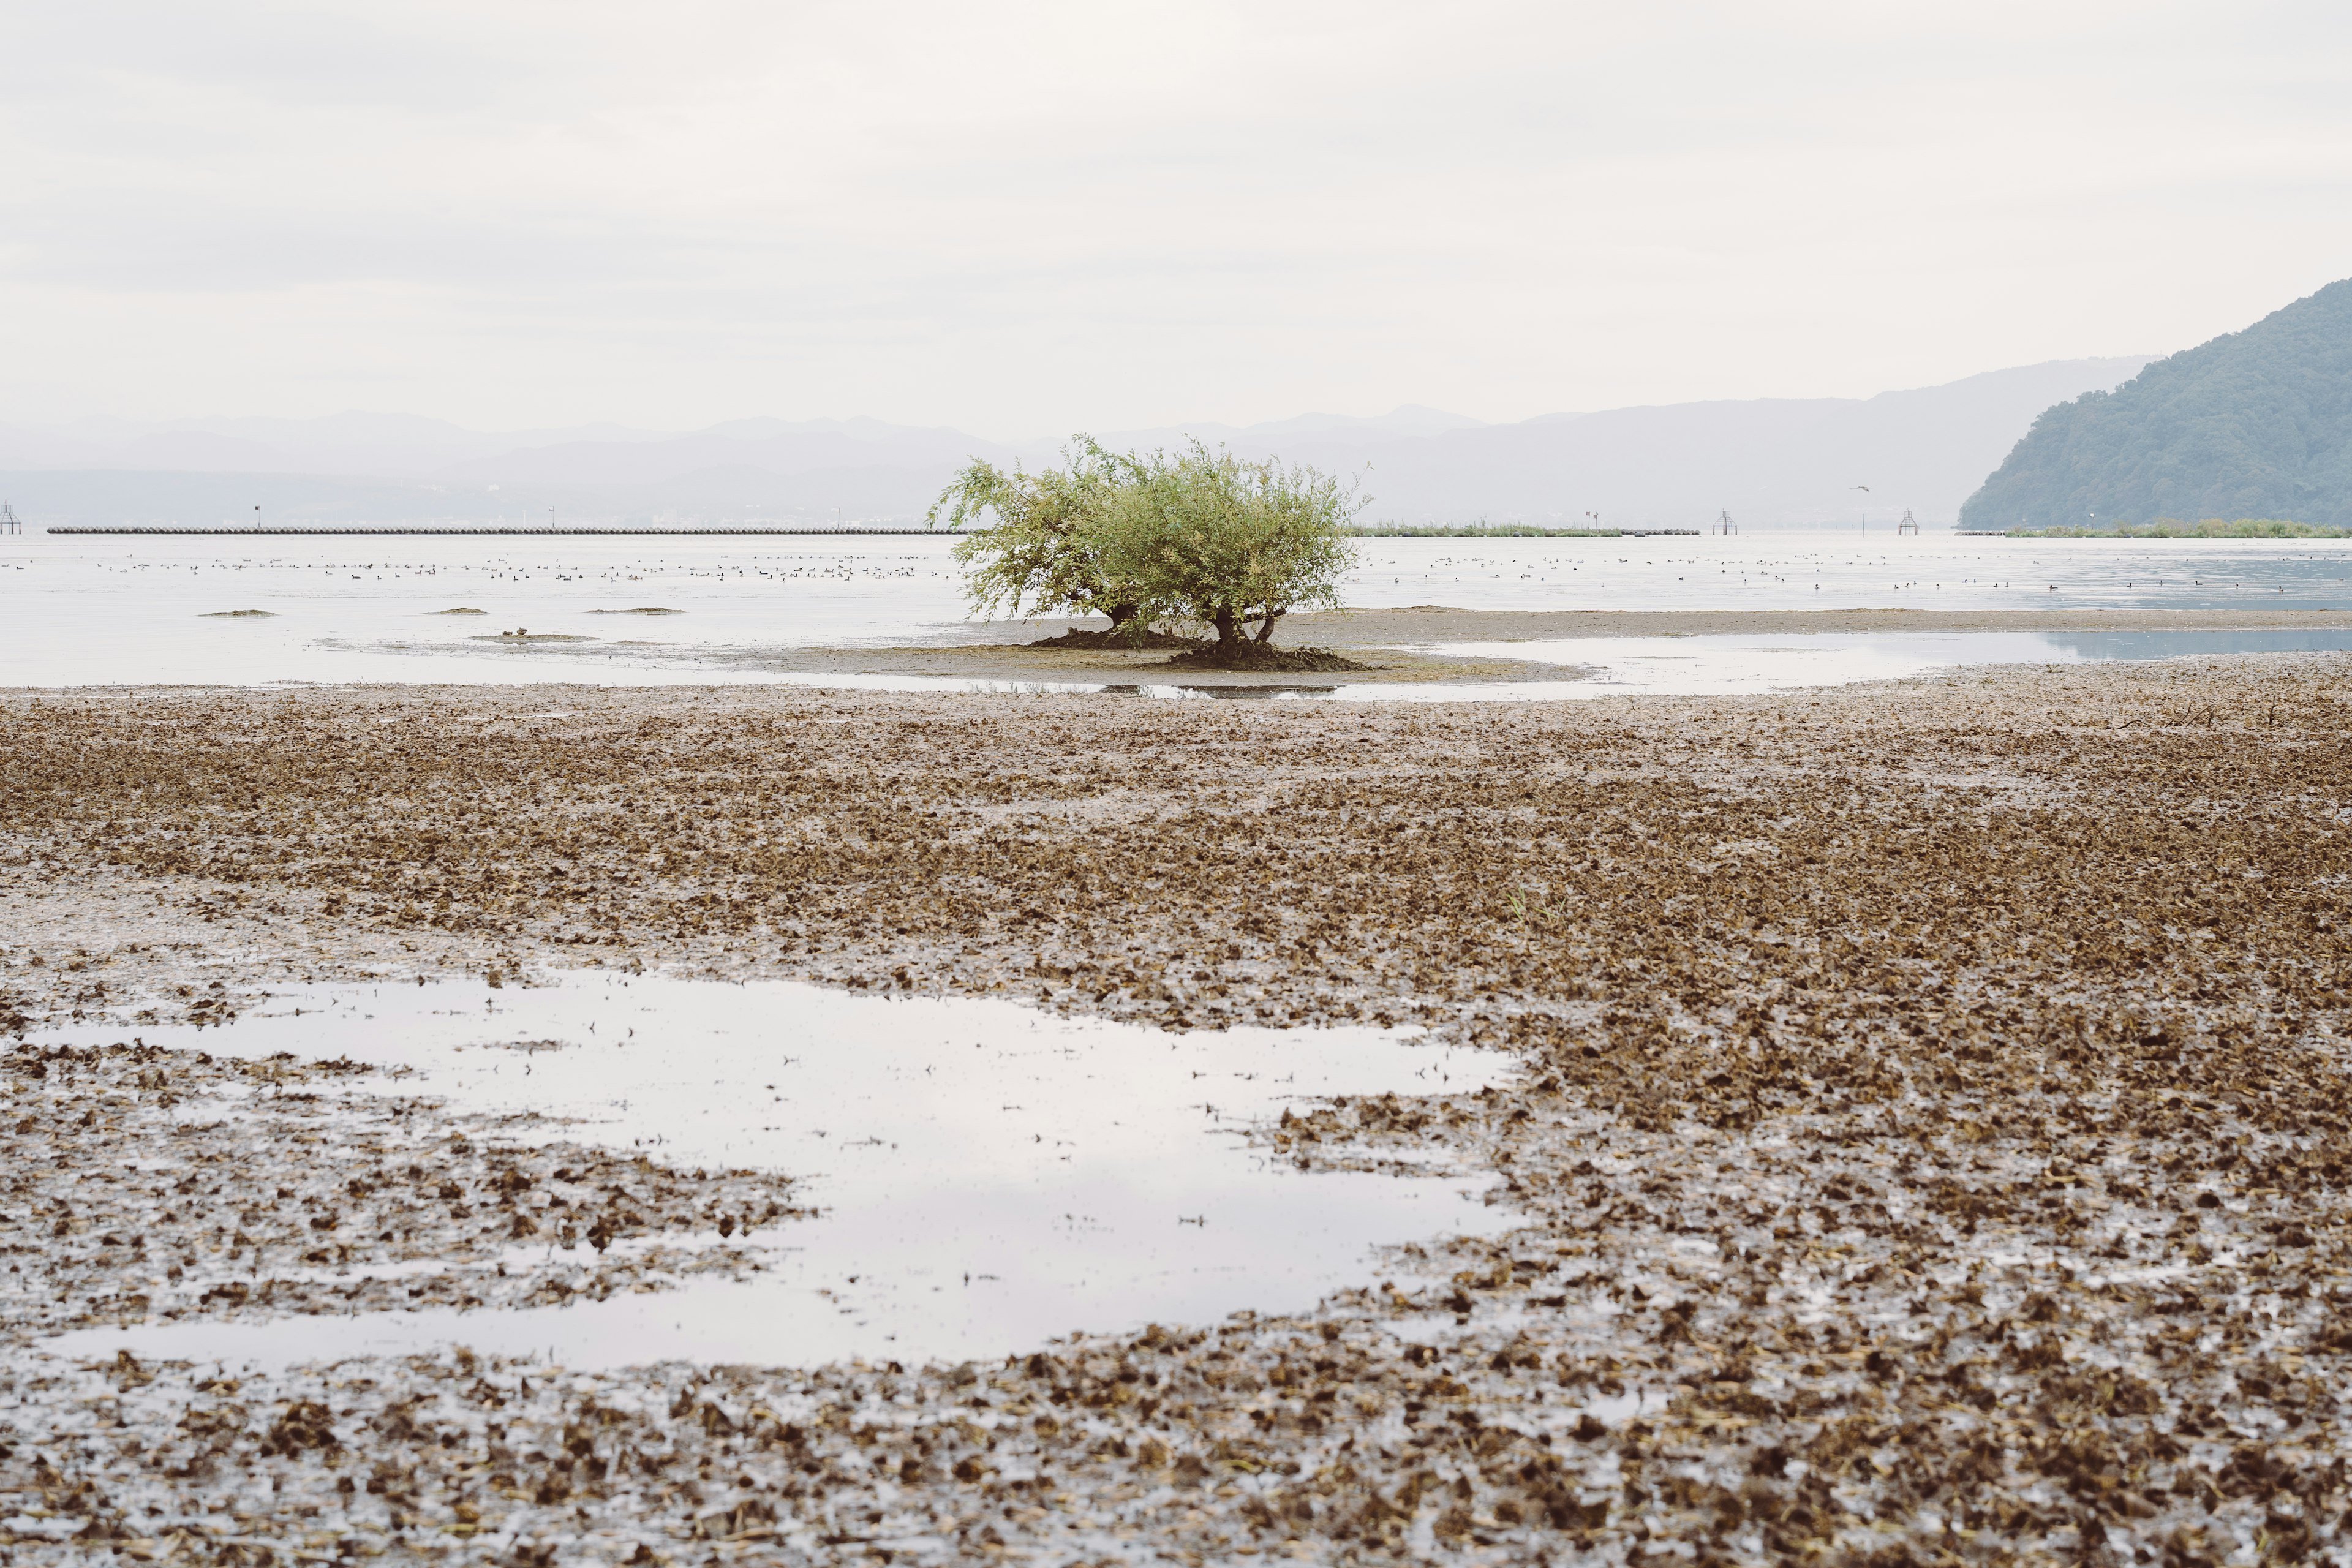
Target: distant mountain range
column 2256, row 424
column 1770, row 461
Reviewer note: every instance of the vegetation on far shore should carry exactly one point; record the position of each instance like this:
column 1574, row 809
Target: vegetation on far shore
column 1197, row 541
column 2173, row 527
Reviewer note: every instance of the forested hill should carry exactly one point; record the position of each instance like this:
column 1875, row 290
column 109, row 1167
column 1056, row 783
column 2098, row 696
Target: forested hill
column 2254, row 423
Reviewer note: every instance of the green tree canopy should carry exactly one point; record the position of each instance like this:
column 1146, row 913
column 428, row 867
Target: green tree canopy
column 1201, row 538
column 1043, row 550
column 1208, row 539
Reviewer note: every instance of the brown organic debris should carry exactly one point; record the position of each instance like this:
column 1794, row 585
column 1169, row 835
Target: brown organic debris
column 1931, row 1144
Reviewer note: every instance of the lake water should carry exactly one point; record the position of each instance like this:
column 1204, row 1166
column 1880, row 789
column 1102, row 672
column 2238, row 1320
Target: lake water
column 116, row 610
column 989, row 1176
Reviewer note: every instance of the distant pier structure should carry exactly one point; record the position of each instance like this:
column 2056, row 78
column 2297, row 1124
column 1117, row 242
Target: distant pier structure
column 591, row 531
column 1908, row 525
column 1724, row 524
column 8, row 520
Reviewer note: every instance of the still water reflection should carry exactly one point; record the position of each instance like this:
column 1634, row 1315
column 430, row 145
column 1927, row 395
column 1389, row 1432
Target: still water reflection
column 990, row 1177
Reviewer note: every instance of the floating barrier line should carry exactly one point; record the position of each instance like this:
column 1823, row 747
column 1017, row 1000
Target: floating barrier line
column 1467, row 531
column 935, row 533
column 819, row 532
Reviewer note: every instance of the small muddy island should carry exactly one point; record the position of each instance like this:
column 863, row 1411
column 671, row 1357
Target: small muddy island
column 1421, row 644
column 1914, row 1128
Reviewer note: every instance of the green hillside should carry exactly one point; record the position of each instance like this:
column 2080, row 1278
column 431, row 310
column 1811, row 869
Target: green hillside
column 2256, row 424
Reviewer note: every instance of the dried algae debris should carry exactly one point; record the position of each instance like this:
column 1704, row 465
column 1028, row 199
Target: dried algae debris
column 1931, row 1144
column 140, row 1183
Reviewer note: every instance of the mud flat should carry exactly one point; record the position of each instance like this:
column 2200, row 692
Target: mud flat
column 966, row 654
column 221, row 1189
column 1441, row 624
column 1404, row 647
column 1929, row 1141
column 1438, row 623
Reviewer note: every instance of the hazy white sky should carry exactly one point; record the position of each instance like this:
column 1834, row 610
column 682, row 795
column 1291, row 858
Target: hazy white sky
column 1022, row 219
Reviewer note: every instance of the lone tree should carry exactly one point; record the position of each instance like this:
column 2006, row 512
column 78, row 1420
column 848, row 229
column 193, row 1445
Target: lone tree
column 1211, row 539
column 1044, row 550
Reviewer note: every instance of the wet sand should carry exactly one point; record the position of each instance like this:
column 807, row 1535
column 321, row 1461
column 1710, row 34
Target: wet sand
column 1931, row 1143
column 1440, row 623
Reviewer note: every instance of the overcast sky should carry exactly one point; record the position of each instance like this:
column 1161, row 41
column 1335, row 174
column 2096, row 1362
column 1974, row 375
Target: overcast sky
column 1027, row 218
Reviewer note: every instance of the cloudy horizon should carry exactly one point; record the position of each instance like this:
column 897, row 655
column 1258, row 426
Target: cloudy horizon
column 1040, row 218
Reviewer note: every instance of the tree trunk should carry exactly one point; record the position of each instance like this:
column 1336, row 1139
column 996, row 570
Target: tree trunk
column 1120, row 615
column 1265, row 627
column 1229, row 629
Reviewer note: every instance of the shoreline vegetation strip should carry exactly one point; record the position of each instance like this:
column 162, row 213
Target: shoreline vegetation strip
column 2171, row 528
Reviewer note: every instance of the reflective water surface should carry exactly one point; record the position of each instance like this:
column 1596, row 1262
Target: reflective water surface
column 990, row 1177
column 99, row 610
column 1729, row 665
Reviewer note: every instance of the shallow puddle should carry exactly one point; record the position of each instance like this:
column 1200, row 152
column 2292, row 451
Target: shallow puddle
column 1725, row 666
column 990, row 1177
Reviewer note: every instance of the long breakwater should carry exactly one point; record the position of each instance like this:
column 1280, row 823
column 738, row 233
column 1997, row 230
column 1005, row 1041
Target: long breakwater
column 453, row 533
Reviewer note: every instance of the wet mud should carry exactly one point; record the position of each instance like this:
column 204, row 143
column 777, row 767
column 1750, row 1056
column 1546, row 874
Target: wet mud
column 1257, row 656
column 144, row 1185
column 1932, row 1145
column 1396, row 643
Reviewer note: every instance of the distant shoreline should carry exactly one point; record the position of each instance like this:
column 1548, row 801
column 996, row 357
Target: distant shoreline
column 2211, row 528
